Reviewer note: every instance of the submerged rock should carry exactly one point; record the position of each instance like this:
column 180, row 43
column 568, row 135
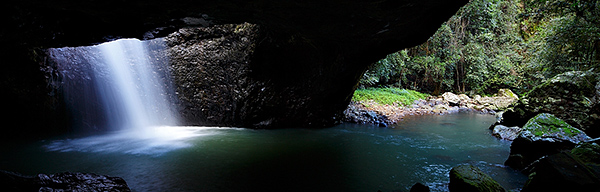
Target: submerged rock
column 543, row 135
column 67, row 181
column 471, row 178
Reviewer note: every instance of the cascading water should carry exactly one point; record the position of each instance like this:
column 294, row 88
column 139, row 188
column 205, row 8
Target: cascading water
column 123, row 86
column 119, row 85
column 135, row 85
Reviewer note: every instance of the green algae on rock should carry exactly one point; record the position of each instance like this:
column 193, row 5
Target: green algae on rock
column 543, row 135
column 572, row 96
column 575, row 170
column 471, row 178
column 548, row 126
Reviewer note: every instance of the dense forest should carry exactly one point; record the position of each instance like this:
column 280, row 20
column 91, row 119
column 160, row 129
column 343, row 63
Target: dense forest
column 494, row 44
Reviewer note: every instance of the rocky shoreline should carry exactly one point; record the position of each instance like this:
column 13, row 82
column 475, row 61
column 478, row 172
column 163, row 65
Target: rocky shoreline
column 65, row 181
column 370, row 112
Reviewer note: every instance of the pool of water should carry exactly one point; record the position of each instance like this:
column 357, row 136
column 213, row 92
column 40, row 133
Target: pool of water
column 347, row 157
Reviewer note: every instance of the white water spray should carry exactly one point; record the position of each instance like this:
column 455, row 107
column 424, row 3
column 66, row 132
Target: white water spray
column 118, row 85
column 123, row 86
column 134, row 84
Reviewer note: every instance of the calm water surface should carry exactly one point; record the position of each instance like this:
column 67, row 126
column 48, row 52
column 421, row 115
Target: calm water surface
column 347, row 157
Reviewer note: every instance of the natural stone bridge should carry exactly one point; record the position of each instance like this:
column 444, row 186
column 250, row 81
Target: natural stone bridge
column 301, row 60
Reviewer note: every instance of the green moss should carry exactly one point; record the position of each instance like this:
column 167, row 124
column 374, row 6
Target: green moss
column 388, row 96
column 544, row 124
column 471, row 178
column 587, row 153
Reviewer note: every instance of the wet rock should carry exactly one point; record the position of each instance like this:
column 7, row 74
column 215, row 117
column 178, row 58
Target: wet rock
column 504, row 132
column 588, row 153
column 471, row 178
column 419, row 187
column 576, row 170
column 358, row 113
column 432, row 105
column 548, row 127
column 572, row 96
column 543, row 135
column 67, row 181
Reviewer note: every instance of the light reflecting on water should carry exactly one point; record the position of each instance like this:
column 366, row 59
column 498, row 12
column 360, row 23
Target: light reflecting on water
column 152, row 141
column 347, row 157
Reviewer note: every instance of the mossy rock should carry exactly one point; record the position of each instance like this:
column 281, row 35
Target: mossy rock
column 588, row 153
column 562, row 172
column 572, row 96
column 507, row 93
column 543, row 135
column 546, row 125
column 471, row 178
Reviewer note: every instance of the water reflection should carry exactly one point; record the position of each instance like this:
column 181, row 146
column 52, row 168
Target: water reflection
column 348, row 157
column 153, row 141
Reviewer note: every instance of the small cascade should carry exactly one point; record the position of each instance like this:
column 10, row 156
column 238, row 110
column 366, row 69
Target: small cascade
column 119, row 85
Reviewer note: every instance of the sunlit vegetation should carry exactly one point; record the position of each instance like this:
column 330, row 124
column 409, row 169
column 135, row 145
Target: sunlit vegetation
column 388, row 96
column 494, row 44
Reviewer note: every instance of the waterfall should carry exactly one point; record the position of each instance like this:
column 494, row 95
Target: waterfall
column 123, row 86
column 118, row 85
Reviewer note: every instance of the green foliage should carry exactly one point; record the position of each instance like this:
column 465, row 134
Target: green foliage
column 568, row 40
column 388, row 96
column 385, row 71
column 494, row 44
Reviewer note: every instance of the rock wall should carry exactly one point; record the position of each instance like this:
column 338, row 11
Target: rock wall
column 307, row 58
column 211, row 69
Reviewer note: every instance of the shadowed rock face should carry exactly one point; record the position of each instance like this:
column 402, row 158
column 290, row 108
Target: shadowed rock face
column 308, row 55
column 65, row 181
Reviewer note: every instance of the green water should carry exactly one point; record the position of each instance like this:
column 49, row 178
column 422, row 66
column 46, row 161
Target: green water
column 347, row 157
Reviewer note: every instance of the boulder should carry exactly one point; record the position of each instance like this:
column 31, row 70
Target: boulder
column 507, row 93
column 543, row 135
column 575, row 170
column 66, row 181
column 452, row 98
column 471, row 178
column 419, row 187
column 357, row 113
column 589, row 154
column 464, row 97
column 572, row 96
column 441, row 108
column 502, row 100
column 504, row 132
